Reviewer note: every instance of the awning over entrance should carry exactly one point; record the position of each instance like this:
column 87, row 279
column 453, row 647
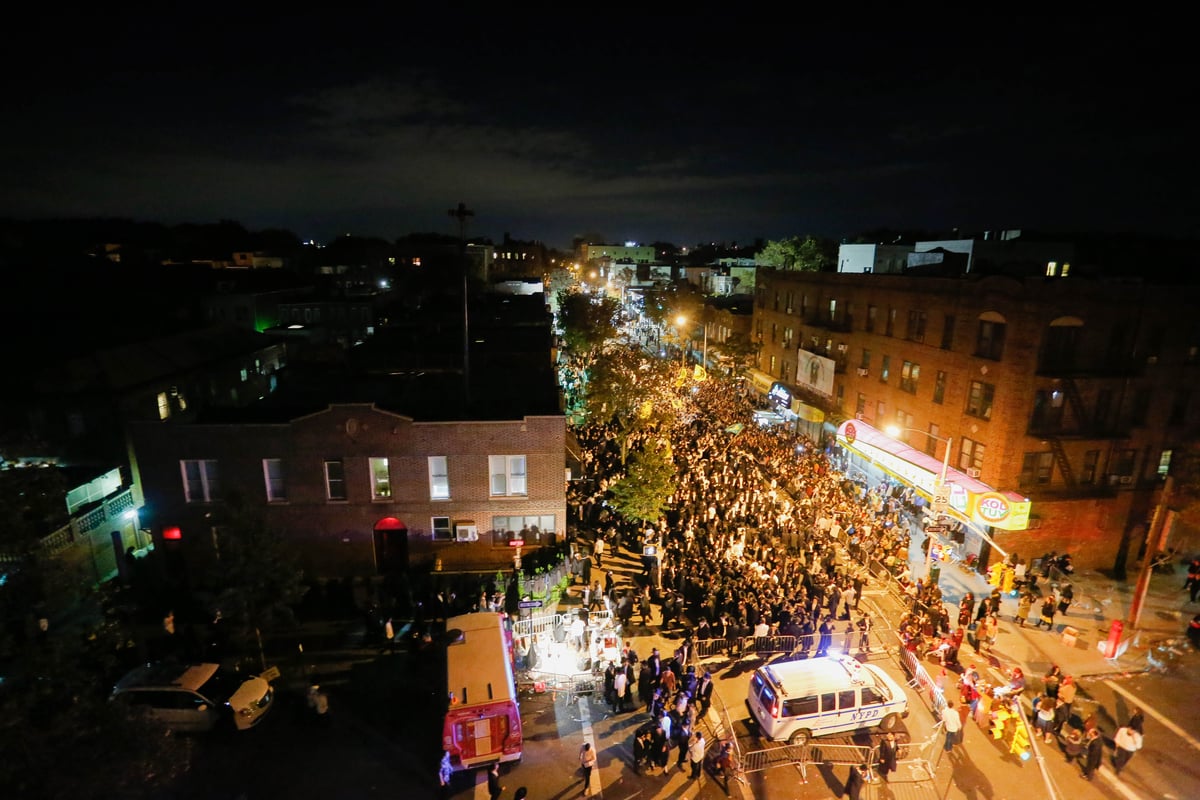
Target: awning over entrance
column 808, row 413
column 970, row 498
column 760, row 380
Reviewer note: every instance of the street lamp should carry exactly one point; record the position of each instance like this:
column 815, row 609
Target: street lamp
column 894, row 431
column 682, row 320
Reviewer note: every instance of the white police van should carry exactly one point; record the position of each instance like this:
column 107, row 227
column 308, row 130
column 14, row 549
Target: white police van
column 796, row 700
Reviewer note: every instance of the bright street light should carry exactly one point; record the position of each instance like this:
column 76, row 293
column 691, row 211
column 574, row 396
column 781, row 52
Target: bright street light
column 682, row 320
column 894, row 431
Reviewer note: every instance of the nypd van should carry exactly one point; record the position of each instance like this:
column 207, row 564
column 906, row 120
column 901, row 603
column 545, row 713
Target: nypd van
column 797, row 700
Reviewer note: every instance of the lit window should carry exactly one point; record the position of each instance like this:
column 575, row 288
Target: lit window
column 164, row 405
column 439, row 479
column 245, row 375
column 273, row 478
column 507, row 475
column 979, row 400
column 381, row 479
column 200, row 484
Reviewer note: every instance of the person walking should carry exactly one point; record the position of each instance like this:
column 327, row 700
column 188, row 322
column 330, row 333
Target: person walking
column 1024, row 606
column 494, row 787
column 587, row 762
column 953, row 725
column 696, row 754
column 1093, row 753
column 1126, row 742
column 445, row 773
column 1047, row 614
column 1192, row 584
column 889, row 751
column 855, row 782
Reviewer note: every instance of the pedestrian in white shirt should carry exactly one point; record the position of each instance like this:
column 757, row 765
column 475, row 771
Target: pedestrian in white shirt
column 953, row 724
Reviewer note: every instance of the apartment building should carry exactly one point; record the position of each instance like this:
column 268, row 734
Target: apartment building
column 1062, row 393
column 360, row 490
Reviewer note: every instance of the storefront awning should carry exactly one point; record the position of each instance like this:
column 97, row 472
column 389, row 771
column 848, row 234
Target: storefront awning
column 808, row 413
column 969, row 498
column 761, row 380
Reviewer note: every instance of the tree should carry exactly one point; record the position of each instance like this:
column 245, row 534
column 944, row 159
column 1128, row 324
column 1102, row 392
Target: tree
column 809, row 254
column 646, row 489
column 587, row 321
column 257, row 580
column 740, row 348
column 57, row 674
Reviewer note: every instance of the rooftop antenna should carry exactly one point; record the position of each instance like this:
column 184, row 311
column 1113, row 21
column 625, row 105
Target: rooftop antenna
column 461, row 213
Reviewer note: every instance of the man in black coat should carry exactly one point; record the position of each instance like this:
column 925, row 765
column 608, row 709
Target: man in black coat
column 889, row 750
column 1093, row 753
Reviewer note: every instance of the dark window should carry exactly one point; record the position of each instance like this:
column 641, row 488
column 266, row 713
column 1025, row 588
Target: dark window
column 1037, row 468
column 890, row 329
column 939, row 387
column 916, row 326
column 885, row 370
column 829, row 701
column 848, row 699
column 990, row 343
column 1090, row 459
column 871, row 696
column 1179, row 407
column 948, row 332
column 872, row 312
column 800, row 706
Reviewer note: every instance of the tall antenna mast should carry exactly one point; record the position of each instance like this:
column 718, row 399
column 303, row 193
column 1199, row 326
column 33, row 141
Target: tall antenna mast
column 461, row 213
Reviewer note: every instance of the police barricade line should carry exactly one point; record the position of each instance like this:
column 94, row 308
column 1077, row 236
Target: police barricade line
column 913, row 760
column 532, row 626
column 801, row 755
column 920, row 679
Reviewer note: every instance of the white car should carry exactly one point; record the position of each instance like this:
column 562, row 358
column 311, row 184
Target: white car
column 195, row 697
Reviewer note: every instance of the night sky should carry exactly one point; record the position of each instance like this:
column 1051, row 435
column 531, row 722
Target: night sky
column 688, row 131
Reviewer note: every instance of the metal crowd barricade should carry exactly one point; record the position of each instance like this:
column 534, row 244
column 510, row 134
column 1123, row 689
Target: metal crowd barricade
column 765, row 645
column 921, row 680
column 811, row 752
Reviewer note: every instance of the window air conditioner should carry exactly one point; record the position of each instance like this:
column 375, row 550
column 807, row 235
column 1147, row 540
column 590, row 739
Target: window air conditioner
column 466, row 533
column 972, row 472
column 863, row 372
column 1126, row 480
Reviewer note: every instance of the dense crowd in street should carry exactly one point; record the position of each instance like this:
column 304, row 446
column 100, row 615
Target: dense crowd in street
column 765, row 537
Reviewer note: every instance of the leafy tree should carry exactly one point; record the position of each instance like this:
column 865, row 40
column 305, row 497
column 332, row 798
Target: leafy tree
column 740, row 348
column 587, row 321
column 257, row 580
column 54, row 693
column 646, row 489
column 807, row 254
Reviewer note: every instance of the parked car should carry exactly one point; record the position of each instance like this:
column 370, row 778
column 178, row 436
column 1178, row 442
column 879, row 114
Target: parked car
column 195, row 697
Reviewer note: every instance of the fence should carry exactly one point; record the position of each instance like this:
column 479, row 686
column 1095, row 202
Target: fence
column 547, row 623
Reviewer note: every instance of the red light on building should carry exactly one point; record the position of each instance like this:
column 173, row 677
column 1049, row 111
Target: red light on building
column 172, row 534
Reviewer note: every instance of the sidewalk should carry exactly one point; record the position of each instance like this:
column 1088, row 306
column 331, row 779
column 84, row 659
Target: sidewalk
column 1099, row 600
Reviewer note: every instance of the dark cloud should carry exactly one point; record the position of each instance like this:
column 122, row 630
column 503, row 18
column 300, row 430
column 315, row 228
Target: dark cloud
column 332, row 122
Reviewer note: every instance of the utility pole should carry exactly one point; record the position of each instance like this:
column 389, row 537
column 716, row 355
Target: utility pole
column 461, row 213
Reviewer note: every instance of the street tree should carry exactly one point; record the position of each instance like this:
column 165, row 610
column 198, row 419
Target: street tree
column 256, row 579
column 645, row 491
column 740, row 348
column 587, row 321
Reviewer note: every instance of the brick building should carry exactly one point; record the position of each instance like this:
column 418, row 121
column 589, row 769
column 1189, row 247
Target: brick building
column 1068, row 390
column 360, row 490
